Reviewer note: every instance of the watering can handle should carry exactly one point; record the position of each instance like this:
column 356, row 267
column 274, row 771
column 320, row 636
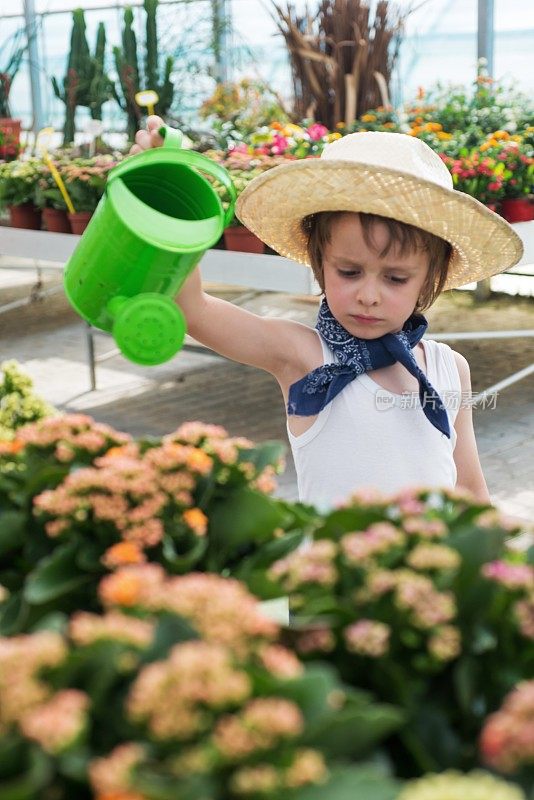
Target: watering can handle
column 172, row 138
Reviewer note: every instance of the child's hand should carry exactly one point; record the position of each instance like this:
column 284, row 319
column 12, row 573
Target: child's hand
column 144, row 140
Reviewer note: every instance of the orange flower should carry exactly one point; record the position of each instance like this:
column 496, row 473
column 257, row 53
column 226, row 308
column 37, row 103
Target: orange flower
column 443, row 136
column 122, row 553
column 11, row 447
column 117, row 452
column 500, row 135
column 196, row 520
column 120, row 795
column 277, row 126
column 121, row 589
column 433, row 126
column 198, row 461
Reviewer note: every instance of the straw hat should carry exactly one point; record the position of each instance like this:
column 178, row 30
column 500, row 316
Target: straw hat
column 390, row 174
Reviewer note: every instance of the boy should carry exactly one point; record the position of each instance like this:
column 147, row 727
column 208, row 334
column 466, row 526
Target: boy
column 384, row 231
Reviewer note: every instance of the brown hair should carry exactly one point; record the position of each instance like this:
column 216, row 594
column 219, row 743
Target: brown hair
column 318, row 228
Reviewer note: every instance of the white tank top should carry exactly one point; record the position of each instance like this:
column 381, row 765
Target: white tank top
column 370, row 437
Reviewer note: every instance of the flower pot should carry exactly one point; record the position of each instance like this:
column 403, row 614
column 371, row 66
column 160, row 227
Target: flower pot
column 9, row 137
column 517, row 209
column 239, row 238
column 79, row 221
column 55, row 220
column 25, row 216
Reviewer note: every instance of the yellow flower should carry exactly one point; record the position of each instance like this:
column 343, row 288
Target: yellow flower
column 333, row 136
column 500, row 135
column 452, row 785
column 291, row 128
column 368, row 118
column 443, row 136
column 433, row 126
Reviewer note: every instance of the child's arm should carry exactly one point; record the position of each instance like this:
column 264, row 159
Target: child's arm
column 466, row 456
column 275, row 345
column 281, row 347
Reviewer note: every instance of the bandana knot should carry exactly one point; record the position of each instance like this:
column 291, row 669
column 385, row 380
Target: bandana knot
column 354, row 356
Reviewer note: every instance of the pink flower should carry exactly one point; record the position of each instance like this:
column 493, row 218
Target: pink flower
column 507, row 740
column 524, row 611
column 59, row 722
column 317, row 131
column 445, row 643
column 262, row 724
column 368, row 638
column 512, row 576
column 112, row 773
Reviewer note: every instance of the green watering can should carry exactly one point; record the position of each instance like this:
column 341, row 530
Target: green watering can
column 155, row 221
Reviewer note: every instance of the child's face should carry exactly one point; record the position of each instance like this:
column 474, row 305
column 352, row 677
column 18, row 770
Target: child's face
column 359, row 283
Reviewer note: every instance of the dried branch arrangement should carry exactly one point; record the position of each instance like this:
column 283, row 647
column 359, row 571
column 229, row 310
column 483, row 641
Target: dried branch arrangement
column 341, row 58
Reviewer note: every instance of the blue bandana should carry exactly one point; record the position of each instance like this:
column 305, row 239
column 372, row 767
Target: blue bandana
column 354, row 356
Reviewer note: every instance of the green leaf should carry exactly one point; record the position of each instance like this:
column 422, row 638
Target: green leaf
column 180, row 563
column 160, row 786
column 32, row 782
column 353, row 783
column 13, row 615
column 355, row 729
column 341, row 520
column 45, row 477
column 243, row 517
column 170, row 630
column 55, row 576
column 264, row 454
column 311, row 691
column 12, row 527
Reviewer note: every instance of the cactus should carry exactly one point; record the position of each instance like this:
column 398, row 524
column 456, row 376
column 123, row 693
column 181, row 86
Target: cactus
column 127, row 66
column 85, row 83
column 128, row 72
column 100, row 86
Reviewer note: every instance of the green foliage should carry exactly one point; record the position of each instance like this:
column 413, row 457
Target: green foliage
column 420, row 601
column 18, row 181
column 205, row 500
column 95, row 688
column 19, row 404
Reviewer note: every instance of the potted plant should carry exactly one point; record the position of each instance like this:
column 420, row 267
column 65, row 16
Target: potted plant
column 518, row 160
column 50, row 200
column 18, row 181
column 85, row 180
column 417, row 598
column 243, row 166
column 9, row 127
column 479, row 174
column 180, row 688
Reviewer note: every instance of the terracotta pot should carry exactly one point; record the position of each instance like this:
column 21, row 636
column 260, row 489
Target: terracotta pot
column 9, row 138
column 55, row 220
column 239, row 238
column 517, row 209
column 79, row 221
column 25, row 216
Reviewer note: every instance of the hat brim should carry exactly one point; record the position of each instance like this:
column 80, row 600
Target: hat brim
column 274, row 204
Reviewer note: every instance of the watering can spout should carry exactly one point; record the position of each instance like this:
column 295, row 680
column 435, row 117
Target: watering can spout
column 158, row 216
